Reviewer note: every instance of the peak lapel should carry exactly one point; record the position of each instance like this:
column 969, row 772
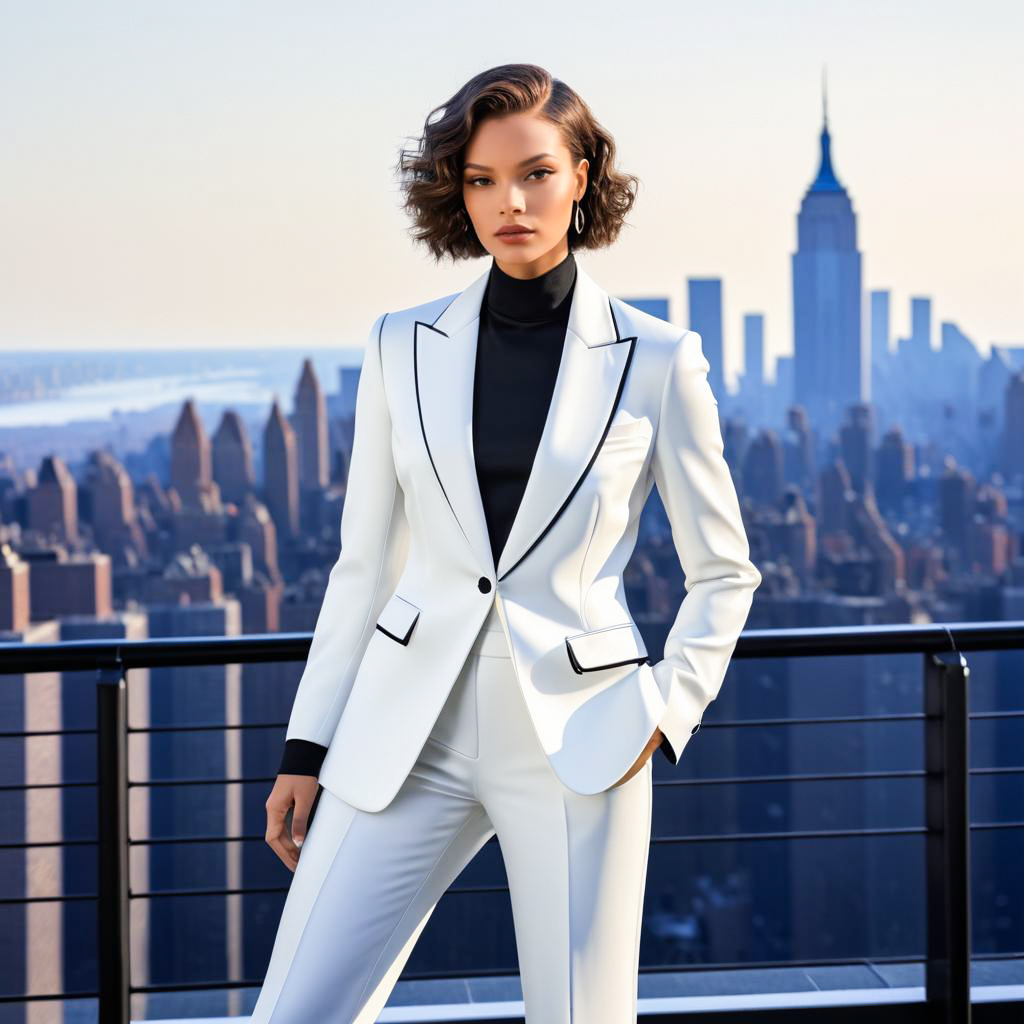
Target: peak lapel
column 445, row 365
column 590, row 379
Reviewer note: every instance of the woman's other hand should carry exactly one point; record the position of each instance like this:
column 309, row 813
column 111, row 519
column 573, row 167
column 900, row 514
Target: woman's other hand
column 652, row 745
column 298, row 791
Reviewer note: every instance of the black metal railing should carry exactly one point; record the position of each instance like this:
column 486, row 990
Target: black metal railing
column 946, row 773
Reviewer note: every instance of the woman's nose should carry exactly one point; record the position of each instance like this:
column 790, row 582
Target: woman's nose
column 513, row 202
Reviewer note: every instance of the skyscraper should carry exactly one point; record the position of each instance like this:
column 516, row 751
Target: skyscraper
column 831, row 364
column 232, row 458
column 281, row 473
column 656, row 306
column 753, row 351
column 311, row 430
column 880, row 329
column 705, row 302
column 191, row 462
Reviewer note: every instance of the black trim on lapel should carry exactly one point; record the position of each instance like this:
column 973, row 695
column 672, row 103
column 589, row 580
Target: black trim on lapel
column 443, row 381
column 438, row 317
column 419, row 407
column 615, row 405
column 615, row 323
column 589, row 384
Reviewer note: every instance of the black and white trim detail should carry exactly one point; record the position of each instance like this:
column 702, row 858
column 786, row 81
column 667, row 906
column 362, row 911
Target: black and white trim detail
column 419, row 408
column 611, row 415
column 610, row 647
column 398, row 619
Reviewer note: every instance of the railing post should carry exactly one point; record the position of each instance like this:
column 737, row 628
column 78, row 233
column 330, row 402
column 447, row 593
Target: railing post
column 948, row 968
column 113, row 951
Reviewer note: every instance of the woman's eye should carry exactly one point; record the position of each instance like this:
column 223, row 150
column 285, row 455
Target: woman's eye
column 539, row 170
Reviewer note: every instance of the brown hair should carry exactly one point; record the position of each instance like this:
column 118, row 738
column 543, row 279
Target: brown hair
column 432, row 174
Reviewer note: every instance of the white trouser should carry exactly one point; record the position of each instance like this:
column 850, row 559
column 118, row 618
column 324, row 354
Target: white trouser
column 366, row 883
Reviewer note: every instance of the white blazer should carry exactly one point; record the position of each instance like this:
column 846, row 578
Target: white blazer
column 632, row 407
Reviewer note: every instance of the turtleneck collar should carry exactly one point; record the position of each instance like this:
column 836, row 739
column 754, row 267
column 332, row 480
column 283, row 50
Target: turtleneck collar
column 535, row 299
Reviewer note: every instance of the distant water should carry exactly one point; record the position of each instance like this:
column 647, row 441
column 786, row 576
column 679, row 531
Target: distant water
column 101, row 400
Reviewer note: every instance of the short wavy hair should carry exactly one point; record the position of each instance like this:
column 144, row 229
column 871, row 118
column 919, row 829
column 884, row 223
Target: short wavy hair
column 431, row 175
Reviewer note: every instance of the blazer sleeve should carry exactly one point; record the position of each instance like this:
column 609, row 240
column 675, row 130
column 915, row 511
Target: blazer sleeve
column 699, row 496
column 374, row 545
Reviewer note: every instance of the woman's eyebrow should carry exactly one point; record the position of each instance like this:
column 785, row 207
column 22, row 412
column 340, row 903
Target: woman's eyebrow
column 522, row 163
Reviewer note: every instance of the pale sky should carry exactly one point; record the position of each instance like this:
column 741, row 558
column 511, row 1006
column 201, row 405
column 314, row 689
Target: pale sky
column 219, row 172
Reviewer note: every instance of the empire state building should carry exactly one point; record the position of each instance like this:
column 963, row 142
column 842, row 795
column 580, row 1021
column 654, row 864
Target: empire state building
column 830, row 360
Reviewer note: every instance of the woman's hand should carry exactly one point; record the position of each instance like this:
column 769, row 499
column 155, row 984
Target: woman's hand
column 652, row 745
column 298, row 791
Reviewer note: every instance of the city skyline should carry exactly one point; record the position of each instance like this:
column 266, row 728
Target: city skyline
column 188, row 178
column 200, row 226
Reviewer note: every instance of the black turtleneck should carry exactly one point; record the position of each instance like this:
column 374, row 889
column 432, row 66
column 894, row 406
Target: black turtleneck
column 519, row 348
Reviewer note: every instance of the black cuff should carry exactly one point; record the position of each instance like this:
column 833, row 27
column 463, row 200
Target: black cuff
column 666, row 748
column 301, row 757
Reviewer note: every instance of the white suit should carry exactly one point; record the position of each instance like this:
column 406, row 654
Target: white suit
column 460, row 700
column 415, row 580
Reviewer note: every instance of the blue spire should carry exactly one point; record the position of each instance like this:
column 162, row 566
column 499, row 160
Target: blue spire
column 826, row 181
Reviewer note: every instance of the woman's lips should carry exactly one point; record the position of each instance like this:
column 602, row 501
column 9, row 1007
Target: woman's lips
column 514, row 236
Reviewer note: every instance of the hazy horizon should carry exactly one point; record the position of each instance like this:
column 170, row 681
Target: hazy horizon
column 222, row 174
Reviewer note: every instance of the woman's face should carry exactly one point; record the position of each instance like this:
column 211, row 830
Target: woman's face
column 518, row 171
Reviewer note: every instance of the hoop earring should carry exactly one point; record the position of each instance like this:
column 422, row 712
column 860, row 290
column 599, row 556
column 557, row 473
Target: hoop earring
column 578, row 219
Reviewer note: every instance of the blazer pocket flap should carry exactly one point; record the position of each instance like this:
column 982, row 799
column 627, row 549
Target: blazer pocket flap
column 397, row 619
column 606, row 648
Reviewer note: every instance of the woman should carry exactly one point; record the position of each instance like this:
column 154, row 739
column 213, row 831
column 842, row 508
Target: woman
column 474, row 668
